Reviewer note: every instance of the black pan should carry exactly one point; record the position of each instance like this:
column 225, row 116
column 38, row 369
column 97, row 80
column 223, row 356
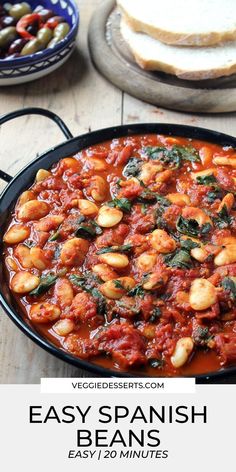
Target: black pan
column 25, row 178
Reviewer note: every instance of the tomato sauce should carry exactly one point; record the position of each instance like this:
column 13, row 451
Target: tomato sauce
column 125, row 255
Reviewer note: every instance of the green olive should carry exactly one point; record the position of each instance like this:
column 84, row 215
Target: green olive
column 44, row 36
column 19, row 9
column 34, row 45
column 7, row 36
column 61, row 30
column 53, row 42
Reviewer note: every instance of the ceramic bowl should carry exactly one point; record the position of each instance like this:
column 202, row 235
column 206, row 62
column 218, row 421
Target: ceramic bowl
column 31, row 67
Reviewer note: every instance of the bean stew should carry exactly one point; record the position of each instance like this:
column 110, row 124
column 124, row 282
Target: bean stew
column 125, row 254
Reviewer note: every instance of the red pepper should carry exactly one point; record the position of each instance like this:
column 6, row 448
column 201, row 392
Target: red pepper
column 53, row 22
column 26, row 21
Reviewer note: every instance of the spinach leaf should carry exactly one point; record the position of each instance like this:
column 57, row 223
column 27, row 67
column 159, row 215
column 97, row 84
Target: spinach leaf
column 87, row 283
column 45, row 283
column 156, row 363
column 133, row 167
column 188, row 244
column 156, row 313
column 118, row 284
column 179, row 258
column 191, row 227
column 147, row 196
column 214, row 195
column 88, row 230
column 137, row 291
column 85, row 232
column 206, row 179
column 124, row 248
column 230, row 286
column 223, row 220
column 201, row 335
column 123, row 204
column 173, row 156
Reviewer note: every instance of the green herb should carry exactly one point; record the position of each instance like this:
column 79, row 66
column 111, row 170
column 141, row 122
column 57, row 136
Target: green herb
column 214, row 195
column 57, row 251
column 88, row 230
column 149, row 197
column 137, row 291
column 206, row 179
column 223, row 219
column 85, row 232
column 54, row 236
column 124, row 248
column 45, row 283
column 156, row 363
column 229, row 285
column 133, row 167
column 188, row 244
column 173, row 156
column 118, row 284
column 201, row 335
column 191, row 227
column 122, row 203
column 86, row 283
column 156, row 313
column 180, row 259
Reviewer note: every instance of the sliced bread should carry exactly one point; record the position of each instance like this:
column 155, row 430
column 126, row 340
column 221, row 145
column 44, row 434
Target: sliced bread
column 186, row 62
column 183, row 22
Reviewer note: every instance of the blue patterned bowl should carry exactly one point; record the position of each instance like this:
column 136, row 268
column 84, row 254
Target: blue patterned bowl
column 31, row 67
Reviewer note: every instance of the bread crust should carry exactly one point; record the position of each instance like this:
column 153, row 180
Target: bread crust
column 181, row 72
column 178, row 39
column 152, row 65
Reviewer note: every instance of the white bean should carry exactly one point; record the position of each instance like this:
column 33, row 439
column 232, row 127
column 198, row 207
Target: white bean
column 202, row 294
column 38, row 258
column 24, row 282
column 25, row 197
column 226, row 256
column 183, row 349
column 74, row 251
column 115, row 289
column 180, row 199
column 87, row 208
column 63, row 292
column 33, row 210
column 162, row 242
column 104, row 272
column 98, row 188
column 149, row 171
column 114, row 259
column 64, row 327
column 44, row 312
column 42, row 174
column 22, row 253
column 225, row 161
column 228, row 202
column 11, row 263
column 146, row 261
column 16, row 234
column 108, row 217
column 155, row 281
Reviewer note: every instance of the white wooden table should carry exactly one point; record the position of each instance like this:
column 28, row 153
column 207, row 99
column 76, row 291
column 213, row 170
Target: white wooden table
column 85, row 100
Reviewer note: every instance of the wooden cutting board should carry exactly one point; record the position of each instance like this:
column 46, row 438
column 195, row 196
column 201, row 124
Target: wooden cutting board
column 114, row 60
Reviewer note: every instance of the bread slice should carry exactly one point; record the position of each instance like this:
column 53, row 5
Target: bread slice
column 184, row 61
column 183, row 22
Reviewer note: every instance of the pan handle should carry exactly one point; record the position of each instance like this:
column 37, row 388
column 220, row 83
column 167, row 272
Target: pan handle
column 33, row 111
